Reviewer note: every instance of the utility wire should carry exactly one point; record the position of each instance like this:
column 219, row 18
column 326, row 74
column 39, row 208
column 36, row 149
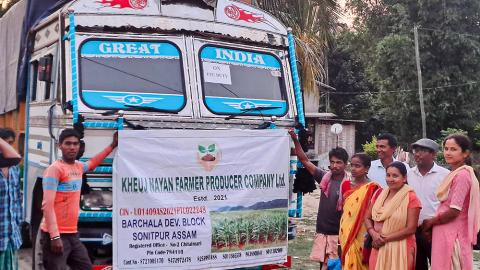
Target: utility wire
column 401, row 90
column 448, row 32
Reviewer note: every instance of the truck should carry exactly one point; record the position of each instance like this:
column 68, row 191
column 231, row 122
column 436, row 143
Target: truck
column 104, row 65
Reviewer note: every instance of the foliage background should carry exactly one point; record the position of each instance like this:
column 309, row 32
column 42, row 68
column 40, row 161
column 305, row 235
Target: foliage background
column 372, row 66
column 314, row 25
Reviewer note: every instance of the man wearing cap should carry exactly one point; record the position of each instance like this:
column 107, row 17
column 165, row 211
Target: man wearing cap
column 424, row 179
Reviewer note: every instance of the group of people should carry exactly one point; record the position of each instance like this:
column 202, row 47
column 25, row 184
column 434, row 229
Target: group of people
column 62, row 183
column 380, row 214
column 385, row 215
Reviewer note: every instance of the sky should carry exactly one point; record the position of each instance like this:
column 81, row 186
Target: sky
column 346, row 17
column 4, row 3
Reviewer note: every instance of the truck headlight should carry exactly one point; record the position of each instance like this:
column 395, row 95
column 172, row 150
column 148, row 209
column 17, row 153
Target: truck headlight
column 97, row 199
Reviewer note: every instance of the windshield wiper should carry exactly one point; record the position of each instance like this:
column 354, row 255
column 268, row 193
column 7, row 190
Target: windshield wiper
column 147, row 108
column 259, row 108
column 136, row 108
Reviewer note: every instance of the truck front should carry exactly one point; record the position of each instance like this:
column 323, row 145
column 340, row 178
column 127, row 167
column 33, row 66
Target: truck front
column 166, row 65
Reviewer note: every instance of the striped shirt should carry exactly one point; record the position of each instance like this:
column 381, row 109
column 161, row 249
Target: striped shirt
column 11, row 215
column 62, row 183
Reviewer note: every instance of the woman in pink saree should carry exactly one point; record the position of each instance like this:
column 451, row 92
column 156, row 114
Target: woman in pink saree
column 457, row 221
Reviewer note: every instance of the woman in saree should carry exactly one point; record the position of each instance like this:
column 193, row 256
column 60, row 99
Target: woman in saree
column 457, row 221
column 356, row 194
column 392, row 221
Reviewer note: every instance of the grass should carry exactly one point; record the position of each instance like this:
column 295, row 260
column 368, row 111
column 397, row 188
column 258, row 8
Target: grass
column 299, row 248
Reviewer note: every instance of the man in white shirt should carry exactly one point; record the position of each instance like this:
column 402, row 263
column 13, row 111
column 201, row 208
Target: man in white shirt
column 424, row 179
column 386, row 146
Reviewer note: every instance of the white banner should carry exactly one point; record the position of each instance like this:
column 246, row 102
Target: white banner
column 200, row 199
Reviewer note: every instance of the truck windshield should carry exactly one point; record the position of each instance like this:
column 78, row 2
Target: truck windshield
column 238, row 80
column 116, row 74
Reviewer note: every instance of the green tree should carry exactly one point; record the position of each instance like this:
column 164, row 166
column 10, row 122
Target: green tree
column 476, row 136
column 449, row 39
column 347, row 75
column 370, row 148
column 314, row 24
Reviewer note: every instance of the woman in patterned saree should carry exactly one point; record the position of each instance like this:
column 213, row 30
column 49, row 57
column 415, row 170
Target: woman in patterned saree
column 357, row 194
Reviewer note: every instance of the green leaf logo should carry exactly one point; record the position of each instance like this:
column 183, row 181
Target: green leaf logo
column 202, row 149
column 211, row 148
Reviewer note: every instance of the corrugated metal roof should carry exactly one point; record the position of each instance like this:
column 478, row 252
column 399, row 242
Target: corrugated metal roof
column 229, row 18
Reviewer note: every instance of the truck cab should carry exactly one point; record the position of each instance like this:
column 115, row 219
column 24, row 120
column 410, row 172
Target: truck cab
column 99, row 66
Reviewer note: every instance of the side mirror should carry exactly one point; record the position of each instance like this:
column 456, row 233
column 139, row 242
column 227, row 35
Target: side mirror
column 45, row 68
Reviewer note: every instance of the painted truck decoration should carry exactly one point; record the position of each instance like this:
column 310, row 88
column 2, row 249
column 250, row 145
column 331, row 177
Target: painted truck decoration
column 102, row 53
column 134, row 4
column 239, row 14
column 217, row 64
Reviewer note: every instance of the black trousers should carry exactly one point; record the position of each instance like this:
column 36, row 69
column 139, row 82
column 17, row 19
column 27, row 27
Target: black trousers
column 75, row 255
column 424, row 251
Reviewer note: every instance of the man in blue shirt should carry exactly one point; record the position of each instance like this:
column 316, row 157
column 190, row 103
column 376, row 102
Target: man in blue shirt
column 386, row 146
column 10, row 201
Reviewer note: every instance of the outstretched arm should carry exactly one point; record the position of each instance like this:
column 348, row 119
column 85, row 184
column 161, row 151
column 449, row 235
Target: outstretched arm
column 10, row 156
column 98, row 158
column 443, row 218
column 311, row 168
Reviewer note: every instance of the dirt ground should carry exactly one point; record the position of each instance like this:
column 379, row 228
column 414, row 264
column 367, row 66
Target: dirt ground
column 299, row 248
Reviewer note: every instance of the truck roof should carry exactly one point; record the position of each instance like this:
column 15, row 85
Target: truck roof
column 225, row 17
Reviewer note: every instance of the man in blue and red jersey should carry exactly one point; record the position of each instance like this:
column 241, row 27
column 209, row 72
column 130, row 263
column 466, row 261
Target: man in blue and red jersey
column 62, row 184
